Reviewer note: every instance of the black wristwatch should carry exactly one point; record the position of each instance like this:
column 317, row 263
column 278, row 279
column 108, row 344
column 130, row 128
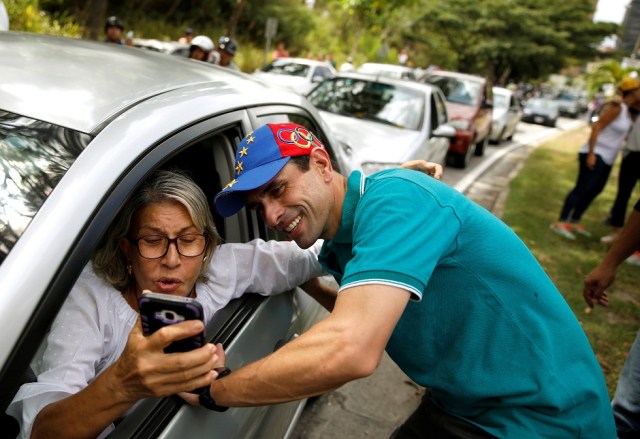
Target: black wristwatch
column 205, row 398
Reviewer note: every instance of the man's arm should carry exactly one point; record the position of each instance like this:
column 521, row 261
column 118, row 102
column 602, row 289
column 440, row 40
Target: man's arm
column 596, row 282
column 347, row 345
column 322, row 292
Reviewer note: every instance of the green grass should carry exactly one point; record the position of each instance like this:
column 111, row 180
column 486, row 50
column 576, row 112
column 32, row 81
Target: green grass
column 535, row 199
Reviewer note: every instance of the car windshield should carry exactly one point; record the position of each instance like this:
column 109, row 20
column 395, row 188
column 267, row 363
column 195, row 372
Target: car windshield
column 34, row 155
column 287, row 68
column 459, row 91
column 370, row 100
column 540, row 104
column 500, row 101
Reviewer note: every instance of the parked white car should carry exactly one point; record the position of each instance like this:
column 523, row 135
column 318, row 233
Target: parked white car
column 383, row 122
column 299, row 74
column 507, row 112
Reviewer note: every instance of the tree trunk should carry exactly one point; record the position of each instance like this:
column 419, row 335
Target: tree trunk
column 235, row 17
column 95, row 13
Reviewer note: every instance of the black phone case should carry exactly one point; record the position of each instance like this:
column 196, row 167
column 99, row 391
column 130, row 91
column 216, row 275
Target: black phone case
column 158, row 310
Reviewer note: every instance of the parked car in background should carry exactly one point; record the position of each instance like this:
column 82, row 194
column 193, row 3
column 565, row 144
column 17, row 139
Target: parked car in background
column 383, row 122
column 77, row 138
column 470, row 107
column 507, row 112
column 543, row 111
column 570, row 104
column 299, row 74
column 168, row 47
column 388, row 70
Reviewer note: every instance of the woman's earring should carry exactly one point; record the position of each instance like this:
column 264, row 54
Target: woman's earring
column 129, row 269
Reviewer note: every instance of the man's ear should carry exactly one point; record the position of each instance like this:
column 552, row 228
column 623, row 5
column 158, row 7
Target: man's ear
column 320, row 160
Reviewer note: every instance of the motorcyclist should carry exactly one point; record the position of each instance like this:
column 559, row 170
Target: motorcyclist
column 113, row 29
column 227, row 48
column 201, row 48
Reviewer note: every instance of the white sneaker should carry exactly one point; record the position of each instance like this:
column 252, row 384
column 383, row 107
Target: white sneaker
column 610, row 238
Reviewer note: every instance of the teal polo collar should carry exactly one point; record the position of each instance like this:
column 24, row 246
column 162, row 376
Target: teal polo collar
column 355, row 189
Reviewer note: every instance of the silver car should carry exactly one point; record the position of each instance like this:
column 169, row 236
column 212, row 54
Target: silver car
column 382, row 122
column 298, row 74
column 82, row 124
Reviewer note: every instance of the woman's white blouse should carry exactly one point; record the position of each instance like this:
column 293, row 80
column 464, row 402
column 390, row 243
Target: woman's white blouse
column 91, row 330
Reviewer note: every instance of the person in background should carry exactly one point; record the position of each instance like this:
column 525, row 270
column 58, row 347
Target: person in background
column 279, row 52
column 4, row 17
column 626, row 400
column 129, row 38
column 187, row 37
column 596, row 159
column 330, row 59
column 448, row 290
column 347, row 66
column 113, row 28
column 201, row 48
column 227, row 48
column 627, row 178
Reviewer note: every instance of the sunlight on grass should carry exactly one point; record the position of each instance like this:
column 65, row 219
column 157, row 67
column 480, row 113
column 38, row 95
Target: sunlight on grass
column 535, row 199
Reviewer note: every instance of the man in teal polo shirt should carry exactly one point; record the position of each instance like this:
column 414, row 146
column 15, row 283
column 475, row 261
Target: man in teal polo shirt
column 451, row 293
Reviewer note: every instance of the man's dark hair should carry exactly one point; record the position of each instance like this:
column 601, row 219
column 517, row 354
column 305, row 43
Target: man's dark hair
column 302, row 162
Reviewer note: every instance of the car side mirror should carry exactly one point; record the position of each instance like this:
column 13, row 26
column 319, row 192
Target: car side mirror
column 445, row 131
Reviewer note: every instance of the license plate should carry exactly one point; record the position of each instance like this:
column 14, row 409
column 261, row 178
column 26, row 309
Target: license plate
column 538, row 119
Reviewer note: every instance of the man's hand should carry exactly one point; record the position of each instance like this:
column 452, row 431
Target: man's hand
column 435, row 170
column 596, row 283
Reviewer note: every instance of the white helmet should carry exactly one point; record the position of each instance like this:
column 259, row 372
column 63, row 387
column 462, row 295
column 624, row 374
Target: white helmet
column 203, row 42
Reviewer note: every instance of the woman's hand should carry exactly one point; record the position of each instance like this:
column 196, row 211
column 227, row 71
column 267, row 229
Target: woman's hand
column 591, row 161
column 144, row 370
column 435, row 170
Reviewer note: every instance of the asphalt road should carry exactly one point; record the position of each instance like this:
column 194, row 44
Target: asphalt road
column 373, row 407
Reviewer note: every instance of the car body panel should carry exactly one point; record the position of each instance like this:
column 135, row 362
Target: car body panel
column 474, row 126
column 133, row 136
column 389, row 70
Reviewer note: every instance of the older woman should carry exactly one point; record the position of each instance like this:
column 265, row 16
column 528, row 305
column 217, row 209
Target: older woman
column 97, row 364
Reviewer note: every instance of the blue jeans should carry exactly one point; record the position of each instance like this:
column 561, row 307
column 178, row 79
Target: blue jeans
column 589, row 184
column 626, row 401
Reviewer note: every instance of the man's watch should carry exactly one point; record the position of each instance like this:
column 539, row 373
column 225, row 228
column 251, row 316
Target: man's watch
column 205, row 398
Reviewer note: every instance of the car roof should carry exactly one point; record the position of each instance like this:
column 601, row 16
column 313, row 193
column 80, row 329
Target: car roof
column 309, row 62
column 104, row 80
column 387, row 80
column 502, row 90
column 388, row 67
column 456, row 75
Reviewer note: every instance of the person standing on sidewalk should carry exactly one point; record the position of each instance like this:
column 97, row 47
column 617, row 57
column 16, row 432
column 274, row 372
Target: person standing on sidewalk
column 447, row 289
column 627, row 179
column 626, row 400
column 596, row 158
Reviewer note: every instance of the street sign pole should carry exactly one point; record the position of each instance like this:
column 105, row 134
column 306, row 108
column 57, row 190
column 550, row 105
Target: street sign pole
column 270, row 31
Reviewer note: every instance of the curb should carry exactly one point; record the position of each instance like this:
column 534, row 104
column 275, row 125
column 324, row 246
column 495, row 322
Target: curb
column 464, row 184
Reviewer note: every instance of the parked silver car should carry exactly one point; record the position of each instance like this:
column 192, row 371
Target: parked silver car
column 383, row 122
column 507, row 112
column 82, row 124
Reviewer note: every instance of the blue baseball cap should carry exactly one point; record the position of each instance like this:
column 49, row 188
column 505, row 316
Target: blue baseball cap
column 260, row 157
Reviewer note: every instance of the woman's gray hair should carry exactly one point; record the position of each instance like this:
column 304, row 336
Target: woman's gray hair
column 110, row 263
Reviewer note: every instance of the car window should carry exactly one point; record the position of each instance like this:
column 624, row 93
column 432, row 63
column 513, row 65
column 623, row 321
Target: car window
column 287, row 68
column 500, row 101
column 456, row 90
column 323, row 72
column 34, row 156
column 370, row 100
column 435, row 120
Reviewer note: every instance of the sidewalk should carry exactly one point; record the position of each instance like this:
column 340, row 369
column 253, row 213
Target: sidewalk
column 375, row 406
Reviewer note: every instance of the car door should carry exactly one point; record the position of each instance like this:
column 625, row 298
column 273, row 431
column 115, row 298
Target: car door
column 250, row 327
column 437, row 117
